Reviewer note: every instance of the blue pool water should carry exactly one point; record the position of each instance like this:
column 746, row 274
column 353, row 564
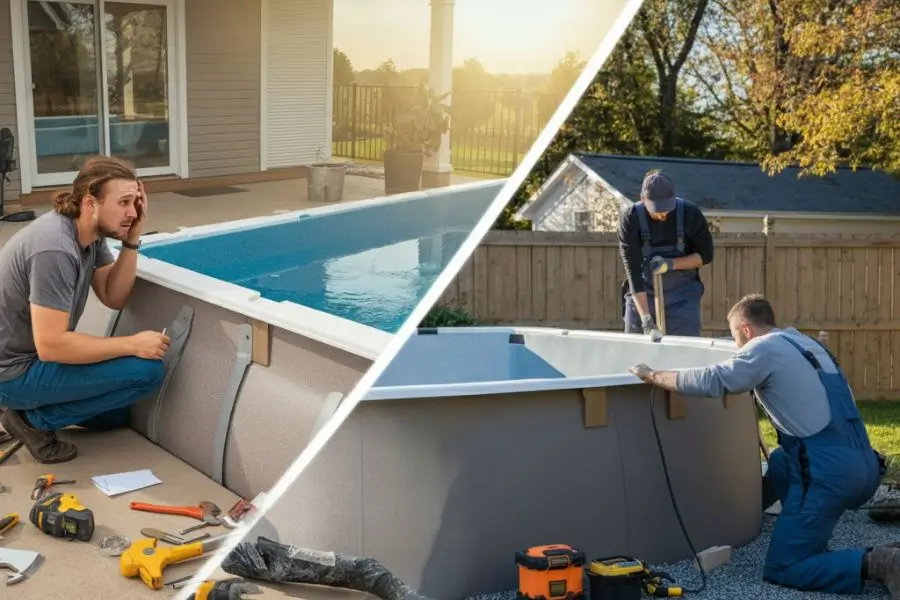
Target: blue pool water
column 371, row 265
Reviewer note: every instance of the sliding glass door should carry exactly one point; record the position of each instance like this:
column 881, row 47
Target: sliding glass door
column 101, row 81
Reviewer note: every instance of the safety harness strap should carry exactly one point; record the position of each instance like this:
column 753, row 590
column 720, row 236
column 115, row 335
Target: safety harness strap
column 644, row 225
column 679, row 225
column 809, row 356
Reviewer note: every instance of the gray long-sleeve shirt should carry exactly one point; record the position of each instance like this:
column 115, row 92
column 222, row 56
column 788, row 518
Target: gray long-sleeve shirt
column 786, row 384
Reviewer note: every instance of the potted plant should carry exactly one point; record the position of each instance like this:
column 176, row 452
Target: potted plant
column 412, row 134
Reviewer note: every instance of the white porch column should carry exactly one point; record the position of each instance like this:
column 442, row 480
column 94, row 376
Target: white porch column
column 438, row 168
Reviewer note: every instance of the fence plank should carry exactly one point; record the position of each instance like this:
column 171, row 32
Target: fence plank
column 845, row 285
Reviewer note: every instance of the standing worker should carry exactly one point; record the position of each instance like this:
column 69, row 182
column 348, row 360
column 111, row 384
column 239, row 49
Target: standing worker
column 651, row 242
column 825, row 464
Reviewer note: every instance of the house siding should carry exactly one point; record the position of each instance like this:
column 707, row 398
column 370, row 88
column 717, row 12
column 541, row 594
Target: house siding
column 297, row 54
column 8, row 113
column 223, row 86
column 574, row 191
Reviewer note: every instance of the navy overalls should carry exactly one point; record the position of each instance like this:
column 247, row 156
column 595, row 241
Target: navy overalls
column 682, row 290
column 817, row 478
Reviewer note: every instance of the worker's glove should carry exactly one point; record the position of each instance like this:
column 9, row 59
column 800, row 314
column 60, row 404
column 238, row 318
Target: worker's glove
column 660, row 265
column 651, row 329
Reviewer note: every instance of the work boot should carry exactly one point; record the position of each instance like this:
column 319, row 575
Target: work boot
column 44, row 446
column 884, row 566
column 886, row 510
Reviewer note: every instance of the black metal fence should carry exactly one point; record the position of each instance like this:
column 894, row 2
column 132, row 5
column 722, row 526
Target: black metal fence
column 490, row 131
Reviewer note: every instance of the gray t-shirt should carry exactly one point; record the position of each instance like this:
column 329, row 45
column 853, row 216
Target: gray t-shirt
column 42, row 264
column 788, row 386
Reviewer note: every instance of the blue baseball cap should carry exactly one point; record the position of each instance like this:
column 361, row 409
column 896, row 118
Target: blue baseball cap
column 658, row 192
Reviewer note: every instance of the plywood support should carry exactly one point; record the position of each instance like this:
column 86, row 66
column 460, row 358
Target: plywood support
column 676, row 406
column 728, row 401
column 261, row 346
column 596, row 409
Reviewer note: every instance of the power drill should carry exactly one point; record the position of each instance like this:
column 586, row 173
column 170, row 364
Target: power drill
column 654, row 586
column 62, row 516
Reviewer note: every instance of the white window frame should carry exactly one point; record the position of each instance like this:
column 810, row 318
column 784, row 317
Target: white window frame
column 177, row 95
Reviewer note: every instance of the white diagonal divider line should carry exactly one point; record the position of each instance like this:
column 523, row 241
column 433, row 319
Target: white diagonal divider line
column 431, row 297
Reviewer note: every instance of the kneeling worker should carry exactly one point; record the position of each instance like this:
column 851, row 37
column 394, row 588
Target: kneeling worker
column 825, row 464
column 651, row 242
column 51, row 376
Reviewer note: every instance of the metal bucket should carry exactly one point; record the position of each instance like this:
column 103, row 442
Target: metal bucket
column 325, row 182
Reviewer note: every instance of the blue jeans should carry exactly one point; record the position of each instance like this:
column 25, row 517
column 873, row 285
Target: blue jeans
column 97, row 396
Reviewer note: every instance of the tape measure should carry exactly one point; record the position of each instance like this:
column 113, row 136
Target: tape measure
column 62, row 516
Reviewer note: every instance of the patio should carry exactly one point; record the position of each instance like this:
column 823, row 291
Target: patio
column 171, row 210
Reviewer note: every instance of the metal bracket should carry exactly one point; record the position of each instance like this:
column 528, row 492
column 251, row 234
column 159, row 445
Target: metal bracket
column 178, row 332
column 332, row 402
column 226, row 411
column 113, row 323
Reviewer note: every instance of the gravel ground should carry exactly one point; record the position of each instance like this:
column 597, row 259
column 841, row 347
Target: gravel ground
column 742, row 577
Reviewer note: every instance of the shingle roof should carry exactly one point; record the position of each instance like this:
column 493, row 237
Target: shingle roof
column 737, row 186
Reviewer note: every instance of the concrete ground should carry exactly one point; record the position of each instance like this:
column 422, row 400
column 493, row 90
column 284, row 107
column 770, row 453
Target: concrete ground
column 77, row 570
column 171, row 210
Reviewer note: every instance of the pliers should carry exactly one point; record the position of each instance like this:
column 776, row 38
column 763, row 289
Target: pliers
column 10, row 450
column 228, row 589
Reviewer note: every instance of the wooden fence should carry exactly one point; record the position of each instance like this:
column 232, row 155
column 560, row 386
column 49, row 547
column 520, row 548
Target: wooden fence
column 845, row 285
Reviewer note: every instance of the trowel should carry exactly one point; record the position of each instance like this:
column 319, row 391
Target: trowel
column 22, row 563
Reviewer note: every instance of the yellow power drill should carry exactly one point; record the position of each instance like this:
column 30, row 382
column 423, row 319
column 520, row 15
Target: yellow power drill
column 62, row 516
column 654, row 586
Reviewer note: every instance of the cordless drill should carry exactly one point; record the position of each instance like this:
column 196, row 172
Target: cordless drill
column 62, row 516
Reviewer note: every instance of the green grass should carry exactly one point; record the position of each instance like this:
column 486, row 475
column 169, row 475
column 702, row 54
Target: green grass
column 882, row 421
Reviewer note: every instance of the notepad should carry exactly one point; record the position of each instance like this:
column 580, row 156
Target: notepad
column 122, row 483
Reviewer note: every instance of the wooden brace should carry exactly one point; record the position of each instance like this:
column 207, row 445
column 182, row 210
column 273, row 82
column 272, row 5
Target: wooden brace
column 595, row 407
column 260, row 350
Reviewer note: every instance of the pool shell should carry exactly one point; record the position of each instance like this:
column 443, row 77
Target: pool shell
column 256, row 377
column 478, row 442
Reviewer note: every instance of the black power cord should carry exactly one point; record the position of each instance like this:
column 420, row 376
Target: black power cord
column 662, row 457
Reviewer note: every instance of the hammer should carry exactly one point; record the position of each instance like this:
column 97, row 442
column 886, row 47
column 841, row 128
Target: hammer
column 660, row 303
column 145, row 560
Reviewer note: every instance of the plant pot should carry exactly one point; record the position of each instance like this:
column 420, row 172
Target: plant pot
column 402, row 171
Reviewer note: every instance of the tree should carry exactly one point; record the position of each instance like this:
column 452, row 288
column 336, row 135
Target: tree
column 853, row 114
column 807, row 82
column 343, row 69
column 669, row 28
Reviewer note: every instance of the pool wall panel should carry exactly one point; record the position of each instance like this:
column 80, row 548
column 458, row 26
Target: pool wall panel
column 453, row 486
column 712, row 455
column 192, row 400
column 278, row 406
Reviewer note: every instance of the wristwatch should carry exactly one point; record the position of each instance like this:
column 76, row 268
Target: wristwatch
column 130, row 246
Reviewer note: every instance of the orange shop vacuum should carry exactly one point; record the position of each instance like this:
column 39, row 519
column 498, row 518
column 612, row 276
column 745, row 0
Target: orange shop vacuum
column 553, row 572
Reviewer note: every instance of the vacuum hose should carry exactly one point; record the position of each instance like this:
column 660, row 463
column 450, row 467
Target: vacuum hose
column 267, row 560
column 662, row 456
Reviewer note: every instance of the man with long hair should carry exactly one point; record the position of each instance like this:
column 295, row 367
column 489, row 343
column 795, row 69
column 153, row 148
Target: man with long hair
column 51, row 376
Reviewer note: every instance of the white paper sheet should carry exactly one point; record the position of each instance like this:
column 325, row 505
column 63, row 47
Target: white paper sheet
column 122, row 483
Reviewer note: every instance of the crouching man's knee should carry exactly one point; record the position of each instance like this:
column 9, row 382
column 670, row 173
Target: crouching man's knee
column 145, row 373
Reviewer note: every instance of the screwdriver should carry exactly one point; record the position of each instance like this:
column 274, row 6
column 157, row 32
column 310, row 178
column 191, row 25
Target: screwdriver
column 7, row 523
column 44, row 482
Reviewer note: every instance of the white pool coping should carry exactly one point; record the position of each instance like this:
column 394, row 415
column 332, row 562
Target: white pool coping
column 403, row 392
column 349, row 336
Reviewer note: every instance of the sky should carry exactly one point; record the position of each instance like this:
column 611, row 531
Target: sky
column 506, row 36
